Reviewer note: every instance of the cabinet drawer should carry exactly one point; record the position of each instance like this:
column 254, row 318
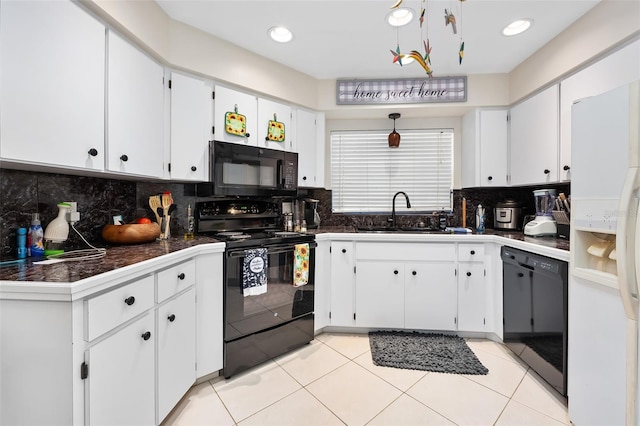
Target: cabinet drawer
column 471, row 253
column 104, row 312
column 175, row 279
column 405, row 251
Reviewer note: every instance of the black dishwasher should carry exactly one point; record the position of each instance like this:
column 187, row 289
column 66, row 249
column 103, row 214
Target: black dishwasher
column 535, row 312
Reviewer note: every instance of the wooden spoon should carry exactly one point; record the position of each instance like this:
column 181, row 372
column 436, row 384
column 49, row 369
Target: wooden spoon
column 154, row 203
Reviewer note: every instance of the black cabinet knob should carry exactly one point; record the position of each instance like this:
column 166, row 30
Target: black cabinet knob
column 468, row 274
column 171, row 318
column 146, row 335
column 247, row 135
column 512, row 257
column 344, row 250
column 547, row 171
column 566, row 168
column 473, row 252
column 181, row 276
column 93, row 152
column 520, row 274
column 395, row 272
column 124, row 157
column 194, row 168
column 414, row 273
column 130, row 300
column 304, row 178
column 490, row 178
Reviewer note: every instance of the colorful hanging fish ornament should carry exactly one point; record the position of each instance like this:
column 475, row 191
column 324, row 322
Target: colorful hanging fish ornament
column 423, row 61
column 397, row 56
column 461, row 52
column 397, row 5
column 450, row 19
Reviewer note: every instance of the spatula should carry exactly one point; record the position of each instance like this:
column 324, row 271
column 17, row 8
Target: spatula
column 172, row 208
column 154, row 203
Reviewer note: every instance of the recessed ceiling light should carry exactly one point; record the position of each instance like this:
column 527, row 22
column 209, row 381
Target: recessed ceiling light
column 400, row 16
column 280, row 34
column 517, row 27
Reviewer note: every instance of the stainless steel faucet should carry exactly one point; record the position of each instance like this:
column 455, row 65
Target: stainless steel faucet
column 393, row 208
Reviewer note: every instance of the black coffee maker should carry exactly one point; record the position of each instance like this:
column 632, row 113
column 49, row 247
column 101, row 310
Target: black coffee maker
column 311, row 213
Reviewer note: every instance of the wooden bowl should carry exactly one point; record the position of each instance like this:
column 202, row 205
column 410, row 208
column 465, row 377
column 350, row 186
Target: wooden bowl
column 133, row 233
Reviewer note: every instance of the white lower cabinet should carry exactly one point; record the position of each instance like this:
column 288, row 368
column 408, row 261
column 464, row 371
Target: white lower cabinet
column 380, row 294
column 176, row 350
column 430, row 296
column 342, row 283
column 120, row 387
column 472, row 287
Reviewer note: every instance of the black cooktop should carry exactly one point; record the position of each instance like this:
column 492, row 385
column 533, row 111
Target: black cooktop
column 262, row 238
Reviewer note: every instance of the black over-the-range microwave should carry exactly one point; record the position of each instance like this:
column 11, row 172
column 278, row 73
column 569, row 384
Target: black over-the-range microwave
column 243, row 170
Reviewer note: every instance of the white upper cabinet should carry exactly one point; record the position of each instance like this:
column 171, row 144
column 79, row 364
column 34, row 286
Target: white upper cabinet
column 135, row 110
column 235, row 113
column 51, row 85
column 274, row 125
column 309, row 144
column 191, row 127
column 534, row 139
column 617, row 69
column 484, row 148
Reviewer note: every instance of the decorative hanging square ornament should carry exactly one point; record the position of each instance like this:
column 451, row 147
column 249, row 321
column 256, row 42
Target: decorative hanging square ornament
column 275, row 131
column 235, row 123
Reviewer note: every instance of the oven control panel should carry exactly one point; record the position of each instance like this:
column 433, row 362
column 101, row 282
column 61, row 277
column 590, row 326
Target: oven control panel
column 235, row 208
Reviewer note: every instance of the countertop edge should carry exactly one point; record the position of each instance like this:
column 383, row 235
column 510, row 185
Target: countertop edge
column 68, row 292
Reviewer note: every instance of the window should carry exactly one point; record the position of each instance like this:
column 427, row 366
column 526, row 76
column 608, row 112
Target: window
column 366, row 173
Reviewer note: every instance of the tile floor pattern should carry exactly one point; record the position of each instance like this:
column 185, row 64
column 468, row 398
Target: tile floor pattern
column 332, row 381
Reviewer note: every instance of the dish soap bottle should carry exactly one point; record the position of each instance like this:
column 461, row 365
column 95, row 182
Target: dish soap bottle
column 36, row 236
column 189, row 233
column 480, row 218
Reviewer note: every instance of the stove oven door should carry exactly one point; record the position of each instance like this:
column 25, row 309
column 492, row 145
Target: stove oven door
column 282, row 302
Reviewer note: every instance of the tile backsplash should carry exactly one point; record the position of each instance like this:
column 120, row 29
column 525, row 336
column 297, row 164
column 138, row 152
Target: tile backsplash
column 99, row 199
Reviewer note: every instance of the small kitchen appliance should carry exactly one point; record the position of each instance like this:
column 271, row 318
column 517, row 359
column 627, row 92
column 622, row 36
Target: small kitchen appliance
column 506, row 215
column 57, row 231
column 311, row 213
column 544, row 224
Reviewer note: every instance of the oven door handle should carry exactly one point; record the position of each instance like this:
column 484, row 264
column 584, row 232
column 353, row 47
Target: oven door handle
column 271, row 249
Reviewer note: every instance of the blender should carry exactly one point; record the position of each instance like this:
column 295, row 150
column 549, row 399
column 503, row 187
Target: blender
column 544, row 223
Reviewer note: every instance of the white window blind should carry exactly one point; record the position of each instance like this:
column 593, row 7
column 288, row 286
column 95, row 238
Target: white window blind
column 366, row 173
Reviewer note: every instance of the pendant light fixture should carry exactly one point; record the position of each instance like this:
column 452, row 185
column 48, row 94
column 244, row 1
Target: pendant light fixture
column 394, row 137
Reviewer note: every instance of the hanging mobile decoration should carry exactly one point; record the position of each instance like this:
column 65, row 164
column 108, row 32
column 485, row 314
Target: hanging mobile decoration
column 461, row 50
column 450, row 19
column 397, row 56
column 397, row 5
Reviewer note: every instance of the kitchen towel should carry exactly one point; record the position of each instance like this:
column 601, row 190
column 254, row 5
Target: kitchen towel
column 254, row 272
column 301, row 264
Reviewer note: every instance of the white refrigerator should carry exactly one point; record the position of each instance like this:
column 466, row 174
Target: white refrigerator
column 602, row 362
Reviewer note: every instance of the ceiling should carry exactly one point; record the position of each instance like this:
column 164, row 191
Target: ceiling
column 351, row 38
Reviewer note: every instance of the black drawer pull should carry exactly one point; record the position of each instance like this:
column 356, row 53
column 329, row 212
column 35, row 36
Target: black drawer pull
column 194, row 168
column 468, row 274
column 344, row 250
column 181, row 276
column 130, row 300
column 490, row 178
column 473, row 252
column 171, row 318
column 93, row 152
column 414, row 273
column 547, row 171
column 146, row 335
column 395, row 272
column 124, row 157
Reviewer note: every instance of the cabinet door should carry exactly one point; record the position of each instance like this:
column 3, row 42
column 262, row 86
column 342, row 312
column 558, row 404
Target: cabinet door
column 430, row 296
column 121, row 381
column 266, row 111
column 534, row 139
column 322, row 288
column 342, row 283
column 176, row 350
column 209, row 325
column 305, row 145
column 228, row 100
column 380, row 294
column 135, row 111
column 51, row 85
column 191, row 127
column 493, row 148
column 472, row 293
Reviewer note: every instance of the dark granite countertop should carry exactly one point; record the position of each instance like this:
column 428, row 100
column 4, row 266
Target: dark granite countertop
column 552, row 242
column 115, row 258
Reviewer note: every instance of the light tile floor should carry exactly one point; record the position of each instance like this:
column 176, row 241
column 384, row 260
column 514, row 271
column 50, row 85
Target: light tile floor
column 332, row 381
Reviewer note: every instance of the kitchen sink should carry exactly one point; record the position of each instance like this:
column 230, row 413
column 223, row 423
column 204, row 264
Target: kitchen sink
column 388, row 229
